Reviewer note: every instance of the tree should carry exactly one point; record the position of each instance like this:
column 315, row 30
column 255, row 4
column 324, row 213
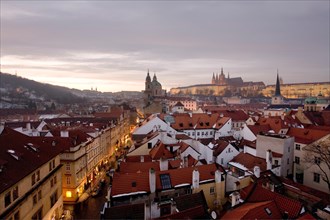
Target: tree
column 318, row 154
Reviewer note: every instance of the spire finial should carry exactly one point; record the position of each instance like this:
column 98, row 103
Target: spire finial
column 277, row 88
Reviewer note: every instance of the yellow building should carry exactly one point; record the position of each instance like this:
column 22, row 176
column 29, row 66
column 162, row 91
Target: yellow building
column 30, row 177
column 299, row 90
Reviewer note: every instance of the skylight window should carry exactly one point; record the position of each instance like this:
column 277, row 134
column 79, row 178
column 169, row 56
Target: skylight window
column 166, row 181
column 267, row 210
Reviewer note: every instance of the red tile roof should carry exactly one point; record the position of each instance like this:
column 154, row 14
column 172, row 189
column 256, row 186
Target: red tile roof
column 254, row 211
column 256, row 129
column 186, row 121
column 197, row 212
column 137, row 158
column 29, row 160
column 219, row 146
column 275, row 123
column 250, row 161
column 285, row 204
column 306, row 136
column 122, row 183
column 306, row 191
column 160, row 151
column 138, row 167
column 174, row 164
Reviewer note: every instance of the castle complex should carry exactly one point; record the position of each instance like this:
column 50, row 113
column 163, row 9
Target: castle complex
column 222, row 80
column 225, row 86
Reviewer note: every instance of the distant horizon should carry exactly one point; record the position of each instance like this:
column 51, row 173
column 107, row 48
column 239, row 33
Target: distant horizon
column 96, row 89
column 111, row 45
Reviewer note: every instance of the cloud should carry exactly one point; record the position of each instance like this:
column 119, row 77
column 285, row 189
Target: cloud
column 183, row 43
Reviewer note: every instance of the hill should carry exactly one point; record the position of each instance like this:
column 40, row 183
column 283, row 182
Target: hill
column 12, row 85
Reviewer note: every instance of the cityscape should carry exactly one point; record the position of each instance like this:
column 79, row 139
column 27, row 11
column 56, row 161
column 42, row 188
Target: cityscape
column 165, row 110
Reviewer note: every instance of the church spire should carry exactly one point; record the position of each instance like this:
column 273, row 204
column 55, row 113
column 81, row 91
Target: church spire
column 222, row 71
column 155, row 77
column 213, row 79
column 148, row 79
column 277, row 88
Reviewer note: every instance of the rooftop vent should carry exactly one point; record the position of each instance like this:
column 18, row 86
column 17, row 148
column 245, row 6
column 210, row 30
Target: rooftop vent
column 15, row 154
column 53, row 143
column 267, row 210
column 32, row 147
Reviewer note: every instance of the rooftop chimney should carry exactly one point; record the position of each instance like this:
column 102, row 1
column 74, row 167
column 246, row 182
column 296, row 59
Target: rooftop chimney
column 195, row 179
column 269, row 159
column 64, row 133
column 152, row 180
column 256, row 171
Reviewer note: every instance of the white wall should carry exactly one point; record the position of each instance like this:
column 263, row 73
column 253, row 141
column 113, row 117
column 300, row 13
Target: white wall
column 227, row 154
column 224, row 131
column 151, row 125
column 247, row 134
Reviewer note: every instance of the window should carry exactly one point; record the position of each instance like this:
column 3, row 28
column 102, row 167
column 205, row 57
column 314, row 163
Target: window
column 211, row 132
column 53, row 199
column 221, row 161
column 37, row 215
column 50, row 166
column 276, row 162
column 68, row 180
column 7, row 199
column 202, row 132
column 166, row 181
column 16, row 215
column 212, row 190
column 39, row 195
column 67, row 167
column 289, row 149
column 316, row 177
column 15, row 193
column 149, row 145
column 38, row 175
column 33, row 179
column 297, row 146
column 297, row 160
column 288, row 161
column 35, row 200
column 317, row 160
column 197, row 133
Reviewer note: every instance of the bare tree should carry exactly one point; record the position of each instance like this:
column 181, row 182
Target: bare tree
column 318, row 154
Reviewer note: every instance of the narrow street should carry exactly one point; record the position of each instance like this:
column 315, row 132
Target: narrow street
column 90, row 208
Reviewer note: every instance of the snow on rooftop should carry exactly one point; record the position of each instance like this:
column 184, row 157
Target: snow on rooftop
column 129, row 194
column 205, row 181
column 183, row 184
column 238, row 165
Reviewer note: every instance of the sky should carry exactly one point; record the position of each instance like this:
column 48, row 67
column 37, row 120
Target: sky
column 110, row 45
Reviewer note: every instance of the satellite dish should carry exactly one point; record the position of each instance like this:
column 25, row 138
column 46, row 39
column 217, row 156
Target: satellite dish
column 214, row 215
